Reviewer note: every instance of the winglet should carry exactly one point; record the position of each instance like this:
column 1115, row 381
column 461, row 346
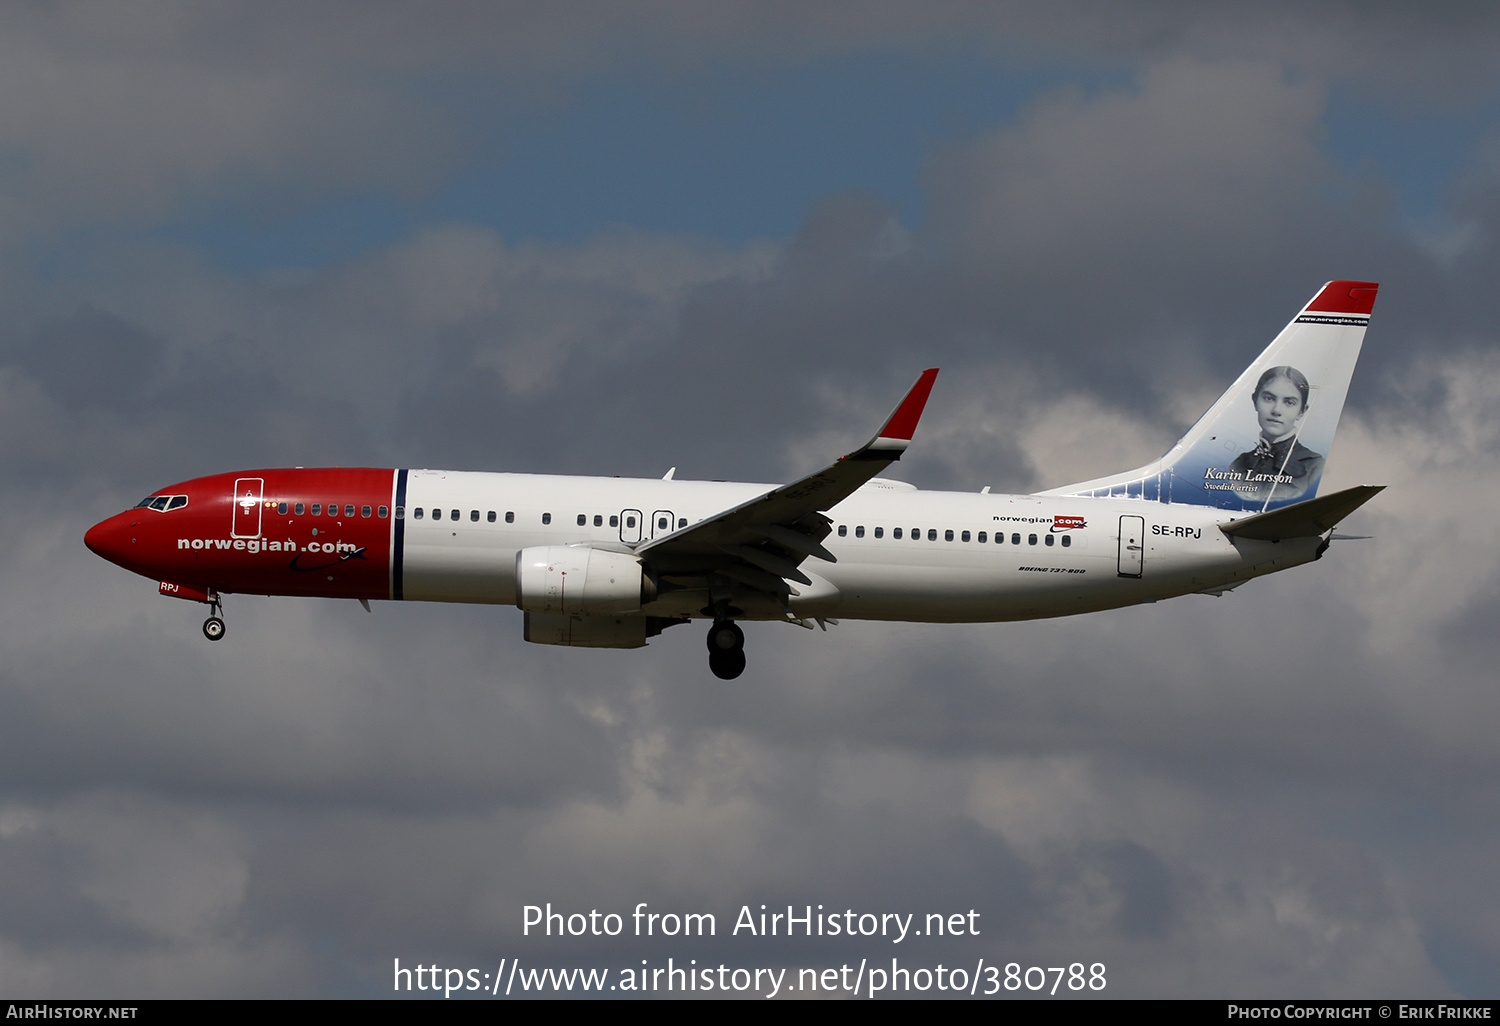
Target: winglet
column 902, row 424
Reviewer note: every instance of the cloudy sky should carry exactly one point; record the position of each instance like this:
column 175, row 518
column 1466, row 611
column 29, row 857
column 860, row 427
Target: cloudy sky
column 615, row 238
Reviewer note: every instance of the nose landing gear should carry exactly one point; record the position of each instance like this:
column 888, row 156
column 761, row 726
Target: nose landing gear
column 726, row 649
column 213, row 627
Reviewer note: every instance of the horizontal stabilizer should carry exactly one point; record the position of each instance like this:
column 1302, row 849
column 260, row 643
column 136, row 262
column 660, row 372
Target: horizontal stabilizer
column 1305, row 519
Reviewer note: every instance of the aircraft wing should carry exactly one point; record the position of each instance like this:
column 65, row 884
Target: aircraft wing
column 1305, row 519
column 759, row 544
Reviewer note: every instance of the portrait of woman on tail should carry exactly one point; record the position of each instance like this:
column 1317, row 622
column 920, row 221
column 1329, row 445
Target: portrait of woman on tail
column 1279, row 466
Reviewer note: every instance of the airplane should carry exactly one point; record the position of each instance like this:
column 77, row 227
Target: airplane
column 611, row 562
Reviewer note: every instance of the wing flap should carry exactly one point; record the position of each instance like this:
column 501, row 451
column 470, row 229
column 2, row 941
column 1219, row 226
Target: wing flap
column 770, row 563
column 795, row 540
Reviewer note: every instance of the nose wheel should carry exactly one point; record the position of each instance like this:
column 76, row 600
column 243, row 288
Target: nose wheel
column 213, row 627
column 726, row 649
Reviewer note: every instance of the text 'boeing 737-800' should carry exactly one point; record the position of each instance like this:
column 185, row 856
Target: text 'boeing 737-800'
column 611, row 562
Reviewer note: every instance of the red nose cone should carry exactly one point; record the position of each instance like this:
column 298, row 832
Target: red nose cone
column 112, row 539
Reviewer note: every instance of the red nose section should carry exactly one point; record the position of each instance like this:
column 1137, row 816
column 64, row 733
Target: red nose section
column 113, row 539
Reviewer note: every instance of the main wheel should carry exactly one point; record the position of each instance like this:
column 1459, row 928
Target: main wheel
column 213, row 628
column 725, row 636
column 727, row 665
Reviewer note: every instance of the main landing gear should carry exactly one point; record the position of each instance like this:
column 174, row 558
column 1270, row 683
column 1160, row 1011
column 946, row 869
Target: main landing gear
column 726, row 649
column 213, row 627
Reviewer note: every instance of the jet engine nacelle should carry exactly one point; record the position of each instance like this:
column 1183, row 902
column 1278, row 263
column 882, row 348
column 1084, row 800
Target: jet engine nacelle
column 578, row 580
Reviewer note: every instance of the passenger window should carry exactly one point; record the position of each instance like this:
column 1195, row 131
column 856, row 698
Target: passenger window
column 546, row 518
column 598, row 520
column 473, row 516
column 947, row 536
column 400, row 512
column 859, row 532
column 1048, row 539
column 582, row 520
column 317, row 509
column 349, row 510
column 614, row 521
column 281, row 508
column 1066, row 541
column 983, row 537
column 932, row 534
column 364, row 511
column 299, row 509
column 453, row 515
column 661, row 523
column 896, row 533
column 1015, row 539
column 916, row 534
column 383, row 512
column 490, row 516
column 843, row 531
column 1031, row 539
column 510, row 516
column 880, row 532
column 964, row 536
column 681, row 522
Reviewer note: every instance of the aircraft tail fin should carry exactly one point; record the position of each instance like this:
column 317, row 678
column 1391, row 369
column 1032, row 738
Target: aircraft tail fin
column 1262, row 446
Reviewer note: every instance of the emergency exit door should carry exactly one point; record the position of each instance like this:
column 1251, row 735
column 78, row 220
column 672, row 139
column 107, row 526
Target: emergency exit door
column 630, row 526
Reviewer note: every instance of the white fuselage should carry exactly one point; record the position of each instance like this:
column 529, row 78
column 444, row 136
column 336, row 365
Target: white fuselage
column 903, row 554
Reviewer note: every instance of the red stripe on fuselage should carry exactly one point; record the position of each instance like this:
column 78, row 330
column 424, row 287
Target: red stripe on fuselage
column 336, row 556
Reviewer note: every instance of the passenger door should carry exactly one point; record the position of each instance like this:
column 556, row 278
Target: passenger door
column 248, row 494
column 1132, row 546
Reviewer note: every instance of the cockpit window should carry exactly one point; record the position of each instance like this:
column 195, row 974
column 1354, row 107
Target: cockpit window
column 162, row 503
